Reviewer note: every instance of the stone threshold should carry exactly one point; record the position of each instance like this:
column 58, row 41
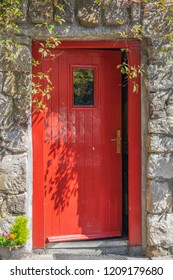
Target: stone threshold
column 108, row 246
column 112, row 242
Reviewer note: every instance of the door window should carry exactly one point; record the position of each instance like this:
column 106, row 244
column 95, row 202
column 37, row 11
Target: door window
column 83, row 87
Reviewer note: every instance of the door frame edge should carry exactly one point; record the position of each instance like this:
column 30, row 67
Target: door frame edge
column 134, row 144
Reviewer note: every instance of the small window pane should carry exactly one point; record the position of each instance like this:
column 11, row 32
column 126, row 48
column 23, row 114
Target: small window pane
column 83, row 87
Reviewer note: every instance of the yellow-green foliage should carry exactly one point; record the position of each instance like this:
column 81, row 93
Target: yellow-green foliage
column 20, row 230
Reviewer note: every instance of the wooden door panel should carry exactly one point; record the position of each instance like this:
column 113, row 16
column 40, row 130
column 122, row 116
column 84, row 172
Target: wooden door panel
column 82, row 167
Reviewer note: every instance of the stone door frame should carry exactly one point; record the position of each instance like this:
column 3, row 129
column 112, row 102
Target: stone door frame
column 134, row 147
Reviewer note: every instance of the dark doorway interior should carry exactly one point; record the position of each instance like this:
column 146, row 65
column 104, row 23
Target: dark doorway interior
column 125, row 148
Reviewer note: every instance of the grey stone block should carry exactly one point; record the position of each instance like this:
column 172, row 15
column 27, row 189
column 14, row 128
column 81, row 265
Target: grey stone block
column 159, row 197
column 154, row 21
column 23, row 8
column 14, row 140
column 41, row 11
column 135, row 12
column 23, row 60
column 6, row 106
column 161, row 126
column 160, row 165
column 159, row 77
column 88, row 13
column 6, row 223
column 170, row 99
column 158, row 85
column 13, row 174
column 16, row 204
column 1, row 201
column 1, row 81
column 157, row 251
column 157, row 108
column 4, row 210
column 159, row 230
column 17, row 59
column 67, row 13
column 169, row 110
column 159, row 144
column 22, row 97
column 115, row 12
column 9, row 85
column 1, row 54
column 162, row 95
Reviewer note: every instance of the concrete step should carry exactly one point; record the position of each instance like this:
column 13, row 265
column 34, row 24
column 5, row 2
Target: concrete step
column 116, row 246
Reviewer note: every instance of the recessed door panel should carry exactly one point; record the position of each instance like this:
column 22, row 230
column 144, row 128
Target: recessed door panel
column 82, row 146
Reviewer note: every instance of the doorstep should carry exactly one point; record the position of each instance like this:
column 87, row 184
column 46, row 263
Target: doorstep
column 108, row 246
column 103, row 247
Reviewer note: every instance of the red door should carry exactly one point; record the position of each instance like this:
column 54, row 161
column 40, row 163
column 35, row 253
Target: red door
column 82, row 155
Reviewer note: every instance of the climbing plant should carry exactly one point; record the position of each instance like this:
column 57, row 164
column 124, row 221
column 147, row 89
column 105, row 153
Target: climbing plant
column 41, row 93
column 10, row 16
column 11, row 12
column 162, row 9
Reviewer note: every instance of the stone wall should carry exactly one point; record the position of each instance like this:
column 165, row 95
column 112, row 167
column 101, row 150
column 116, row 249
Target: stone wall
column 159, row 85
column 15, row 93
column 86, row 20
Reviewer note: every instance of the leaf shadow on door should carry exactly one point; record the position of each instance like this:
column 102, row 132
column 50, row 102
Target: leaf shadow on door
column 61, row 175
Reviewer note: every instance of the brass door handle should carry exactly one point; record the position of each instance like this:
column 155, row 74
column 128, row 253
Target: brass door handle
column 118, row 139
